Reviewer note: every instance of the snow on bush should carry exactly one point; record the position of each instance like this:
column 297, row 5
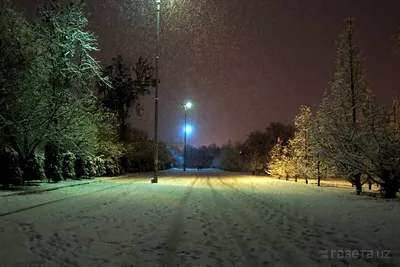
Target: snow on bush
column 34, row 169
column 68, row 166
column 11, row 173
column 100, row 166
column 52, row 160
column 80, row 166
column 112, row 167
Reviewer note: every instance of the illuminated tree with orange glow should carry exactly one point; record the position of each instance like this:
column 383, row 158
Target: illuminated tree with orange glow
column 279, row 165
column 299, row 146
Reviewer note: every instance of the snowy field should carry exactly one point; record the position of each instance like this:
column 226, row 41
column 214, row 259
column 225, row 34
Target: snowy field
column 205, row 218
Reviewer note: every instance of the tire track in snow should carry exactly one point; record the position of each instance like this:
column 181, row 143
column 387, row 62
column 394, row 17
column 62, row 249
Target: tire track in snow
column 58, row 200
column 60, row 251
column 223, row 205
column 102, row 204
column 107, row 223
column 270, row 249
column 171, row 243
column 215, row 237
column 310, row 231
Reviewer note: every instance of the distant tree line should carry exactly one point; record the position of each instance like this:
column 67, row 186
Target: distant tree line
column 199, row 157
column 62, row 114
column 252, row 154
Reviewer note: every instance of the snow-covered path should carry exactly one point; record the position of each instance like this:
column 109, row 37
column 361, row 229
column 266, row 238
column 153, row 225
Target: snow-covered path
column 204, row 218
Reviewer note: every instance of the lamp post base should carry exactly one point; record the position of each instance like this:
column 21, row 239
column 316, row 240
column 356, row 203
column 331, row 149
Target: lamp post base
column 154, row 180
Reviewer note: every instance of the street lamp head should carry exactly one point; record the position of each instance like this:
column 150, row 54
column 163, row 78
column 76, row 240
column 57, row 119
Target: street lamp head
column 158, row 1
column 188, row 105
column 188, row 129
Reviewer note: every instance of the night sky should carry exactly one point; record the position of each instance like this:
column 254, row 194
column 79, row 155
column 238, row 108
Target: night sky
column 244, row 64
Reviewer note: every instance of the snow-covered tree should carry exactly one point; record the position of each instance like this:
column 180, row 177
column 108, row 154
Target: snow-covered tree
column 394, row 119
column 255, row 163
column 23, row 72
column 352, row 129
column 230, row 159
column 299, row 146
column 340, row 117
column 45, row 72
column 304, row 160
column 279, row 161
column 379, row 150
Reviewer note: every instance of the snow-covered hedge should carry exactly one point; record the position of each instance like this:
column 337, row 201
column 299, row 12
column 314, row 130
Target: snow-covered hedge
column 112, row 167
column 100, row 166
column 52, row 160
column 88, row 166
column 91, row 167
column 11, row 173
column 68, row 166
column 81, row 167
column 34, row 169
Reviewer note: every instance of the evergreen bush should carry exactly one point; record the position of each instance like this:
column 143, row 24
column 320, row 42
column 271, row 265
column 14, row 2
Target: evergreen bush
column 68, row 166
column 11, row 173
column 34, row 169
column 52, row 162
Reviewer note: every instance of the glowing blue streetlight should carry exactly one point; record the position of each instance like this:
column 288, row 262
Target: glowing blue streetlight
column 188, row 129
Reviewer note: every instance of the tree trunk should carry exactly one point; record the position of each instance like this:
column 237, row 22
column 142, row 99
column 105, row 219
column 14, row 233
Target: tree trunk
column 22, row 165
column 358, row 189
column 306, row 180
column 319, row 172
column 295, row 178
column 369, row 184
column 357, row 182
column 123, row 132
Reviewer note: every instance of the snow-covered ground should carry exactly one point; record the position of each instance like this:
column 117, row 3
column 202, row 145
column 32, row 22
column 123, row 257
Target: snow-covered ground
column 205, row 218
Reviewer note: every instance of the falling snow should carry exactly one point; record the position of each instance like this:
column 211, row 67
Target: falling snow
column 244, row 63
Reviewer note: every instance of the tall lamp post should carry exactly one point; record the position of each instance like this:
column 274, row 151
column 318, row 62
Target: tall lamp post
column 155, row 178
column 186, row 106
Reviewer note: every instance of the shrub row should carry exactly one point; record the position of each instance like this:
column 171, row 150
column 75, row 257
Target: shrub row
column 11, row 173
column 53, row 166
